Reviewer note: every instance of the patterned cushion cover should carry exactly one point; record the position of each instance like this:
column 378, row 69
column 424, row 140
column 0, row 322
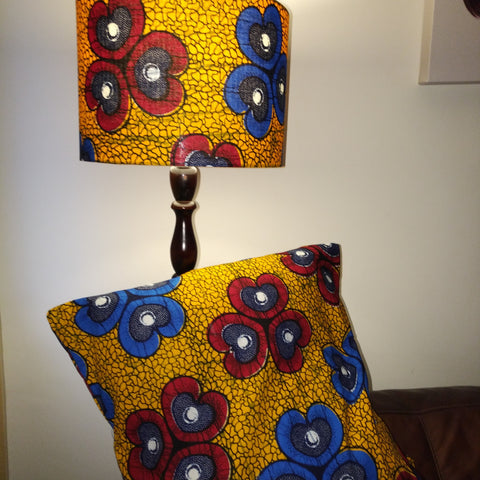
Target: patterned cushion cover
column 247, row 370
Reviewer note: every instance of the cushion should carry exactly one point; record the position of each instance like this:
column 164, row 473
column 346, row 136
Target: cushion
column 247, row 370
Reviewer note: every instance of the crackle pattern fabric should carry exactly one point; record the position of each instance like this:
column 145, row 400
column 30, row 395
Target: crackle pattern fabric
column 182, row 82
column 247, row 370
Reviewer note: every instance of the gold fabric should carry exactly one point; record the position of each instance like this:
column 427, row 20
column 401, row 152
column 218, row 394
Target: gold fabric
column 153, row 73
column 247, row 370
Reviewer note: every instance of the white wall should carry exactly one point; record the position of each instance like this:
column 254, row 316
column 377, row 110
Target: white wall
column 385, row 167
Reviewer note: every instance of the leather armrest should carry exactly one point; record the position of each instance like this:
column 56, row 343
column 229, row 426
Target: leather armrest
column 439, row 428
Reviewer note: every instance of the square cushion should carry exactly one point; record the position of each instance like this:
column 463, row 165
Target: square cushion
column 247, row 370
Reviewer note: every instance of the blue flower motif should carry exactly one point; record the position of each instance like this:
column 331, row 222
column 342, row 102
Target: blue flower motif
column 351, row 464
column 145, row 320
column 283, row 470
column 248, row 91
column 311, row 441
column 79, row 362
column 349, row 377
column 312, row 446
column 87, row 150
column 143, row 315
column 104, row 401
column 101, row 313
column 350, row 347
column 260, row 37
column 279, row 84
column 255, row 89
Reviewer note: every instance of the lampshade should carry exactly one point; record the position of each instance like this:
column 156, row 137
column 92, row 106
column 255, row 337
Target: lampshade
column 199, row 83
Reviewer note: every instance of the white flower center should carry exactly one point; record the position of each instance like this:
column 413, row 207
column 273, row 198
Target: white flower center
column 288, row 336
column 102, row 302
column 152, row 445
column 113, row 31
column 147, row 319
column 261, row 298
column 244, row 341
column 257, row 96
column 193, row 472
column 190, row 415
column 312, row 438
column 266, row 42
column 107, row 90
column 151, row 72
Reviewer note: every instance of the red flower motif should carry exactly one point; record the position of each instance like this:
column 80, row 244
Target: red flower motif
column 151, row 71
column 106, row 92
column 148, row 431
column 242, row 340
column 330, row 252
column 191, row 416
column 262, row 299
column 113, row 30
column 200, row 461
column 322, row 260
column 292, row 332
column 196, row 150
column 302, row 260
column 143, row 67
column 262, row 322
column 328, row 281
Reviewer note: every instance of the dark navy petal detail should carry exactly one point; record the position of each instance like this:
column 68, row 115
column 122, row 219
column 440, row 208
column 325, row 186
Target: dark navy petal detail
column 114, row 30
column 287, row 335
column 106, row 89
column 327, row 279
column 303, row 257
column 243, row 342
column 279, row 84
column 144, row 320
column 199, row 462
column 203, row 159
column 350, row 347
column 329, row 282
column 152, row 444
column 191, row 416
column 303, row 261
column 248, row 90
column 199, row 467
column 283, row 470
column 332, row 250
column 351, row 465
column 260, row 299
column 348, row 373
column 311, row 441
column 101, row 313
column 260, row 37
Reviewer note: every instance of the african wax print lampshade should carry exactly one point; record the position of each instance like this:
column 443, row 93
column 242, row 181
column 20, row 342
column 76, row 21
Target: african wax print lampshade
column 198, row 83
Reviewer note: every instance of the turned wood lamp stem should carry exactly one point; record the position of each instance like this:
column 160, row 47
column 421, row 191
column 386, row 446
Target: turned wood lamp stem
column 183, row 249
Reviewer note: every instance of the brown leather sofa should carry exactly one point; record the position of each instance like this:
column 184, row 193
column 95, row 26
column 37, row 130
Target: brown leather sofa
column 439, row 428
